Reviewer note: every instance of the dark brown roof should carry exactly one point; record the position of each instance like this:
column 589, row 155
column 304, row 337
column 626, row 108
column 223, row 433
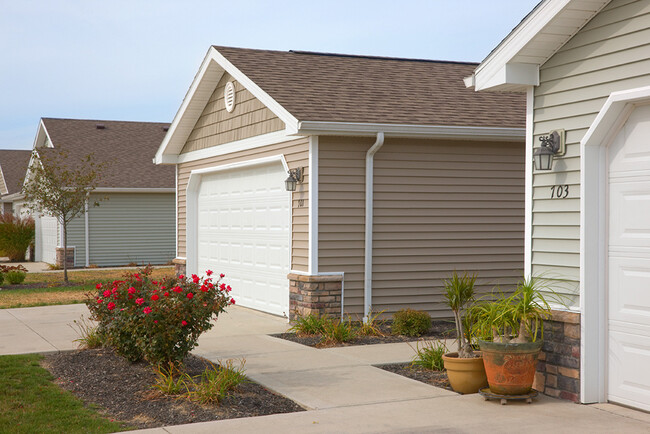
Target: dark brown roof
column 14, row 167
column 128, row 147
column 343, row 88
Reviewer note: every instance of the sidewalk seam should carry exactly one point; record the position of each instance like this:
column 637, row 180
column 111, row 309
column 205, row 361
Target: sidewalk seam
column 34, row 331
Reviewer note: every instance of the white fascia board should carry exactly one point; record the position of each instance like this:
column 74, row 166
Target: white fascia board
column 42, row 136
column 212, row 69
column 133, row 190
column 311, row 128
column 4, row 182
column 518, row 74
column 503, row 54
column 228, row 148
column 13, row 197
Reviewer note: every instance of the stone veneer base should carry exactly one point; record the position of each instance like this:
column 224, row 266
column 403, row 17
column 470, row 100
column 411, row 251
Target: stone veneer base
column 558, row 366
column 320, row 295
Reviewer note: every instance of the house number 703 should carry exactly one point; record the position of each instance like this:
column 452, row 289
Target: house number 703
column 559, row 191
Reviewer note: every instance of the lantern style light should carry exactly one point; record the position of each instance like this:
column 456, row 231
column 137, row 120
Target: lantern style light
column 295, row 176
column 552, row 145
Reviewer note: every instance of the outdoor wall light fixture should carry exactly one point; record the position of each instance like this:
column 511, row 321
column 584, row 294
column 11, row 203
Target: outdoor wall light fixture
column 295, row 176
column 552, row 146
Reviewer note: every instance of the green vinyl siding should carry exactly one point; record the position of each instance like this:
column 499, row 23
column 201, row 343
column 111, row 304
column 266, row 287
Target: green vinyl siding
column 129, row 228
column 610, row 53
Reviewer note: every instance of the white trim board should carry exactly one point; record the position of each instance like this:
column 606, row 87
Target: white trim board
column 593, row 239
column 313, row 206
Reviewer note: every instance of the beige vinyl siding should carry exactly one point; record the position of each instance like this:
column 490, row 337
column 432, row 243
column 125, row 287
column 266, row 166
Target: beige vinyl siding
column 296, row 153
column 76, row 239
column 216, row 126
column 438, row 206
column 611, row 53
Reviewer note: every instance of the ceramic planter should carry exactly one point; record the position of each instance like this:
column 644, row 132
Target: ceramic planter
column 465, row 375
column 511, row 367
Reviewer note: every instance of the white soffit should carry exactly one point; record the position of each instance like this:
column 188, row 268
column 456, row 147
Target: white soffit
column 212, row 69
column 514, row 63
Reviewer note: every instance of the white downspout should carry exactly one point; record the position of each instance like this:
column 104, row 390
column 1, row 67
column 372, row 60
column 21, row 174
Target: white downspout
column 87, row 233
column 367, row 285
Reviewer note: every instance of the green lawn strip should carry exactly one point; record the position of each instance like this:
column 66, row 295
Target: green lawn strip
column 30, row 402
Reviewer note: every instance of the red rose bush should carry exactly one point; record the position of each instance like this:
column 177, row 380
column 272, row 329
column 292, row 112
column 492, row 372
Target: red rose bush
column 157, row 321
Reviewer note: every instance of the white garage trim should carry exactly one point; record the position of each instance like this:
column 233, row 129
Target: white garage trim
column 191, row 204
column 593, row 239
column 312, row 268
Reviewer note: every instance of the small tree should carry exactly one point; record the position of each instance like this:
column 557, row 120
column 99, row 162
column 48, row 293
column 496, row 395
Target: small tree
column 60, row 185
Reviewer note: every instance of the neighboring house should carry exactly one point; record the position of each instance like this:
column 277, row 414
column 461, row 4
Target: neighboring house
column 408, row 176
column 13, row 166
column 585, row 66
column 137, row 222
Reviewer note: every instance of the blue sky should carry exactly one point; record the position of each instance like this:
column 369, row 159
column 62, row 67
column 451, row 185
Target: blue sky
column 135, row 59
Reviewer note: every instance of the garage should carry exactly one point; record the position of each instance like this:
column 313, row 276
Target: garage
column 629, row 263
column 47, row 239
column 243, row 229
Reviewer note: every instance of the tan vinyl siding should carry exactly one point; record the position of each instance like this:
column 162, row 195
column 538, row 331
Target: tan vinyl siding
column 216, row 126
column 611, row 53
column 438, row 206
column 296, row 153
column 77, row 239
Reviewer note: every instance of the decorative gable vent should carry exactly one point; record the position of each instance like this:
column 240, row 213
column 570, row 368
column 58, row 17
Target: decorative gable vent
column 229, row 96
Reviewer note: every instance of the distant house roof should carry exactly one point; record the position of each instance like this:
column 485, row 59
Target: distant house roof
column 128, row 147
column 13, row 165
column 344, row 88
column 321, row 93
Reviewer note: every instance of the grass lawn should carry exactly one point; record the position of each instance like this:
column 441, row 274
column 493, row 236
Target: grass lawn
column 54, row 293
column 31, row 403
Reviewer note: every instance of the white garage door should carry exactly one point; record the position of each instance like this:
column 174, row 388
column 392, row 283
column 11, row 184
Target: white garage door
column 48, row 236
column 629, row 263
column 243, row 231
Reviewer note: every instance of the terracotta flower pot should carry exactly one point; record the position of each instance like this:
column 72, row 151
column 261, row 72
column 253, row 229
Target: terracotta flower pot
column 465, row 375
column 511, row 367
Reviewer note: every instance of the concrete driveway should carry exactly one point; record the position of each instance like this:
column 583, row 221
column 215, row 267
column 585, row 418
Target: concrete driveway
column 341, row 389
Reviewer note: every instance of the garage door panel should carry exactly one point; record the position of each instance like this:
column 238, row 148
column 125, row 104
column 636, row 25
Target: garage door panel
column 629, row 376
column 244, row 220
column 631, row 301
column 629, row 211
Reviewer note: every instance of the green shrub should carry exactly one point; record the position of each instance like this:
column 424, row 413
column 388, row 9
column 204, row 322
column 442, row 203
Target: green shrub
column 15, row 277
column 309, row 324
column 409, row 322
column 158, row 321
column 336, row 331
column 16, row 234
column 2, row 278
column 170, row 381
column 429, row 356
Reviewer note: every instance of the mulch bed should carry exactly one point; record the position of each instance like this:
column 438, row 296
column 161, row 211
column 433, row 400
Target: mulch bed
column 439, row 329
column 123, row 391
column 434, row 378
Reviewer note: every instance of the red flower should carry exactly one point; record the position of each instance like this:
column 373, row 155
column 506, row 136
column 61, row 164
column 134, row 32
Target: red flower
column 204, row 288
column 98, row 286
column 146, row 310
column 115, row 296
column 195, row 278
column 114, row 290
column 139, row 300
column 184, row 323
column 209, row 272
column 131, row 290
column 155, row 282
column 228, row 288
column 177, row 289
column 155, row 321
column 137, row 277
column 155, row 297
column 110, row 306
column 222, row 287
column 166, row 294
column 107, row 293
column 190, row 295
column 222, row 275
column 130, row 296
column 100, row 301
column 232, row 301
column 181, row 276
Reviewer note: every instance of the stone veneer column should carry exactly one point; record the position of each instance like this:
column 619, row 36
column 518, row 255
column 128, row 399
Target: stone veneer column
column 69, row 257
column 179, row 266
column 558, row 368
column 319, row 295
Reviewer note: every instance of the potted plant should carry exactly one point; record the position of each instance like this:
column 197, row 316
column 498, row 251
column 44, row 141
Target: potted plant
column 464, row 367
column 511, row 328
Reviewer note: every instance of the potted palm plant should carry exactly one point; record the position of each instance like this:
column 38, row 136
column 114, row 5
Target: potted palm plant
column 464, row 367
column 511, row 328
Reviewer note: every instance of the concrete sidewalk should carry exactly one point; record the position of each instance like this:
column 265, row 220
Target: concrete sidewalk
column 341, row 389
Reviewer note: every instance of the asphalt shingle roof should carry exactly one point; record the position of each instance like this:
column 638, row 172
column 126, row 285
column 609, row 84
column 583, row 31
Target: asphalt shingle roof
column 128, row 147
column 343, row 88
column 14, row 166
